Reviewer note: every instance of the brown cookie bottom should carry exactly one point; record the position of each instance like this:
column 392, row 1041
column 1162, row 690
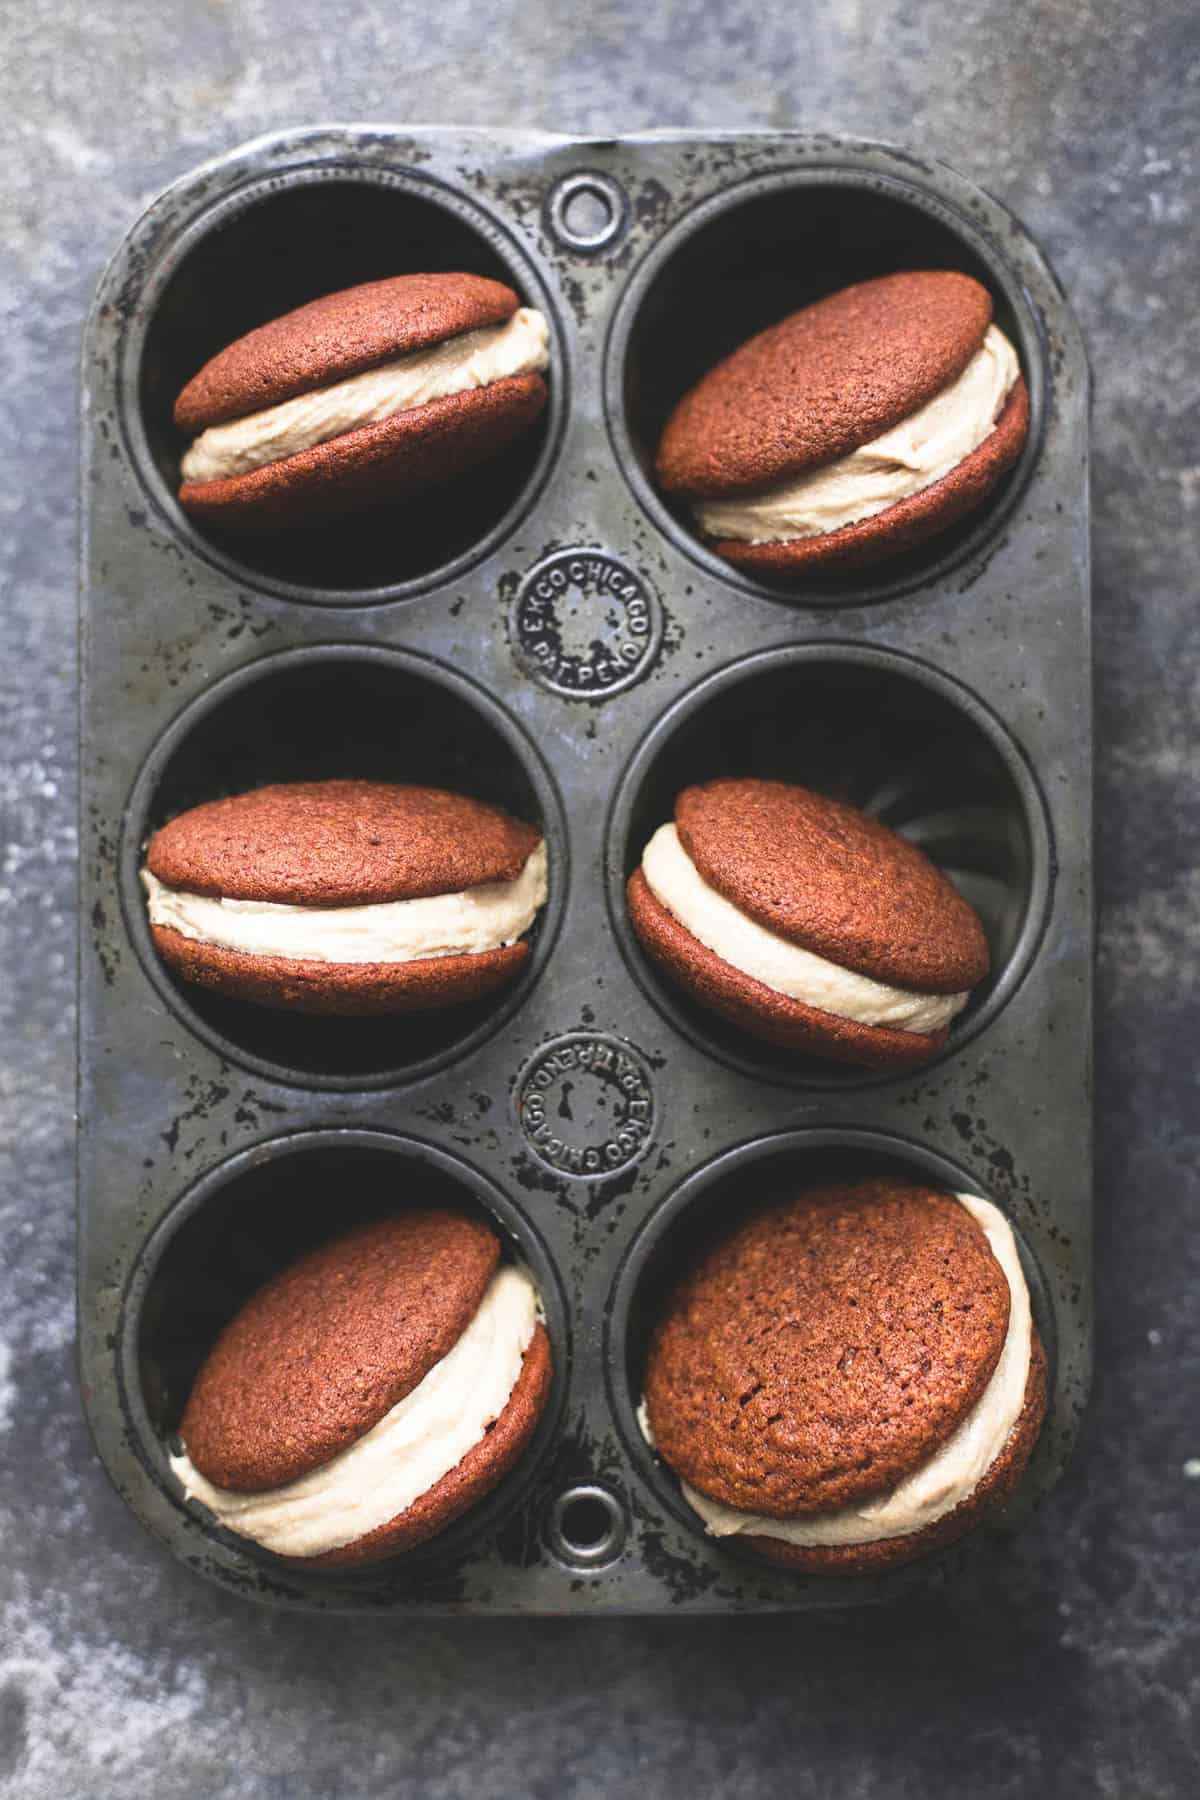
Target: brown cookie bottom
column 758, row 1009
column 390, row 458
column 996, row 1487
column 349, row 989
column 481, row 1469
column 906, row 524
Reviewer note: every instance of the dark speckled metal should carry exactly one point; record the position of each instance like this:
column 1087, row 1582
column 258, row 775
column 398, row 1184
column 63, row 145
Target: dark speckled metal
column 557, row 638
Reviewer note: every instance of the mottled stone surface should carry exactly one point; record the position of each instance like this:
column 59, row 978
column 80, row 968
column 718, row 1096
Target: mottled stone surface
column 1075, row 1674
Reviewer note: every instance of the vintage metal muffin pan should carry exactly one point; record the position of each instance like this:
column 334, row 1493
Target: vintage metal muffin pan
column 550, row 634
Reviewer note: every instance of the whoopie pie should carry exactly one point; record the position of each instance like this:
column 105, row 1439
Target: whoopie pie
column 371, row 393
column 852, row 430
column 370, row 1393
column 345, row 896
column 850, row 1377
column 807, row 923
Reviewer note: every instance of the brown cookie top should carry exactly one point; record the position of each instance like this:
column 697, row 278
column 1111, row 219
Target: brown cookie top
column 833, row 880
column 340, row 843
column 336, row 336
column 826, row 1347
column 823, row 381
column 321, row 1352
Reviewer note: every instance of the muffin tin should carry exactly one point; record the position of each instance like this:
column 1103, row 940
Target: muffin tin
column 552, row 635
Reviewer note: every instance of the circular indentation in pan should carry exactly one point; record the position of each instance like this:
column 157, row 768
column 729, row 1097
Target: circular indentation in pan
column 260, row 1211
column 712, row 1200
column 587, row 211
column 745, row 259
column 586, row 1527
column 273, row 245
column 316, row 713
column 885, row 732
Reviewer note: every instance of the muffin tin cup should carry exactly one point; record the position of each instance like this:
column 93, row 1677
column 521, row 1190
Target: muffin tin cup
column 265, row 248
column 887, row 733
column 385, row 713
column 852, row 229
column 721, row 1193
column 242, row 1222
column 568, row 647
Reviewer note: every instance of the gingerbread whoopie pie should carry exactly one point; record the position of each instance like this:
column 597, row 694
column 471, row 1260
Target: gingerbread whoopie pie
column 354, row 897
column 806, row 923
column 370, row 1393
column 359, row 397
column 850, row 1377
column 852, row 430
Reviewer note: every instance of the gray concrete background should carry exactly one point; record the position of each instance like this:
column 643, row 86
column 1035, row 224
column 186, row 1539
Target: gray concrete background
column 1075, row 1672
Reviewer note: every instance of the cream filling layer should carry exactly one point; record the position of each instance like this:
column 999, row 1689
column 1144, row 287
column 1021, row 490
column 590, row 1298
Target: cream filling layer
column 488, row 917
column 913, row 455
column 413, row 1446
column 786, row 968
column 472, row 359
column 950, row 1476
